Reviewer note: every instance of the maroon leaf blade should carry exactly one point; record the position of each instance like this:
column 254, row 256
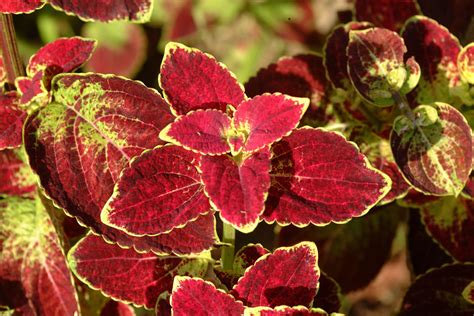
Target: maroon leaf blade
column 390, row 14
column 126, row 275
column 375, row 64
column 200, row 131
column 267, row 118
column 436, row 51
column 335, row 57
column 11, row 121
column 450, row 222
column 114, row 308
column 80, row 178
column 238, row 191
column 20, row 6
column 63, row 55
column 318, row 177
column 465, row 63
column 440, row 292
column 199, row 297
column 435, row 154
column 107, row 11
column 31, row 254
column 284, row 311
column 329, row 294
column 16, row 178
column 122, row 54
column 468, row 190
column 289, row 276
column 32, row 89
column 247, row 256
column 193, row 80
column 161, row 190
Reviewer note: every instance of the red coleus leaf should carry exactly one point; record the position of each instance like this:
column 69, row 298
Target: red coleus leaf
column 20, row 6
column 450, row 222
column 201, row 131
column 289, row 276
column 114, row 308
column 16, row 177
column 80, row 179
column 318, row 177
column 237, row 190
column 63, row 55
column 335, row 57
column 257, row 122
column 435, row 152
column 107, row 10
column 247, row 256
column 198, row 297
column 31, row 89
column 193, row 80
column 127, row 275
column 11, row 121
column 390, row 14
column 441, row 291
column 30, row 254
column 416, row 199
column 436, row 51
column 376, row 66
column 161, row 190
column 121, row 54
column 468, row 190
column 284, row 311
column 329, row 294
column 465, row 63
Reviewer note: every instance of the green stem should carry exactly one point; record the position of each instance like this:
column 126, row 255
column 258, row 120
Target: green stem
column 403, row 106
column 11, row 58
column 227, row 252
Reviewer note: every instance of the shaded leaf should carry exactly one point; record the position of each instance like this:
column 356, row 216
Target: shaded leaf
column 267, row 118
column 127, row 275
column 450, row 222
column 20, row 6
column 289, row 276
column 434, row 153
column 114, row 308
column 465, row 63
column 201, row 131
column 11, row 121
column 198, row 297
column 247, row 256
column 390, row 14
column 318, row 177
column 106, row 10
column 329, row 294
column 284, row 311
column 468, row 190
column 121, row 48
column 161, row 190
column 375, row 64
column 193, row 80
column 416, row 199
column 237, row 190
column 30, row 254
column 16, row 177
column 440, row 292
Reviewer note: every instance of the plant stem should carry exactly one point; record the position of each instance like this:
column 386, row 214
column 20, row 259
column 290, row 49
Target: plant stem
column 227, row 252
column 11, row 58
column 403, row 106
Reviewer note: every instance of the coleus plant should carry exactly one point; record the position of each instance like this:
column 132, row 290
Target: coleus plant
column 309, row 140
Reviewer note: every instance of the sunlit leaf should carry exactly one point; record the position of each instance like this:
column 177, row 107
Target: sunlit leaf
column 466, row 63
column 390, row 14
column 440, row 292
column 237, row 190
column 288, row 276
column 450, row 222
column 16, row 178
column 199, row 297
column 31, row 255
column 194, row 80
column 161, row 190
column 11, row 121
column 20, row 6
column 127, row 275
column 318, row 177
column 31, row 89
column 434, row 152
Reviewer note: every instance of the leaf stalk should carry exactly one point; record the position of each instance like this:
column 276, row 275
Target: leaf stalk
column 227, row 253
column 8, row 44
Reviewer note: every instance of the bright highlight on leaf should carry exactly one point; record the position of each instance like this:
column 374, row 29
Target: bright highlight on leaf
column 161, row 190
column 193, row 80
column 127, row 275
column 434, row 153
column 237, row 190
column 289, row 277
column 198, row 297
column 466, row 63
column 318, row 177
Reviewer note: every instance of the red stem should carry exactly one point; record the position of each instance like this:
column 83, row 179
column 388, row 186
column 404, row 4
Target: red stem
column 11, row 58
